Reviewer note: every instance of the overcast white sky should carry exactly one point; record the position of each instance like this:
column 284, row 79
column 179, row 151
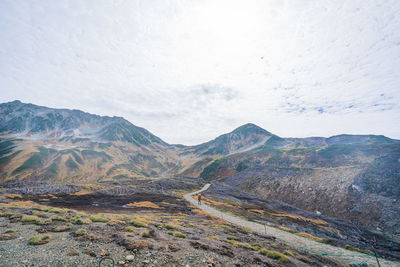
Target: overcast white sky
column 191, row 70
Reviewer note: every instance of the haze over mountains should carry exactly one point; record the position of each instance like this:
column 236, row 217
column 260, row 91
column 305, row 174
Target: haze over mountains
column 347, row 176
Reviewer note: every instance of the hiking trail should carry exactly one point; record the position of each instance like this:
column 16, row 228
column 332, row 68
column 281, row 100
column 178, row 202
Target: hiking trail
column 292, row 240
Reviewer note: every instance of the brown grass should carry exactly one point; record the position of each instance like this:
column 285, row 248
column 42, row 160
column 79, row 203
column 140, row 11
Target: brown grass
column 82, row 193
column 299, row 218
column 11, row 196
column 315, row 238
column 214, row 202
column 283, row 228
column 22, row 204
column 257, row 211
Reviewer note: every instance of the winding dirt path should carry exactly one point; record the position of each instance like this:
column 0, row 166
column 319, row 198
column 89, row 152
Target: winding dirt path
column 341, row 255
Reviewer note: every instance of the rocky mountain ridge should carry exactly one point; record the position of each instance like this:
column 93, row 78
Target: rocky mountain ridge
column 355, row 177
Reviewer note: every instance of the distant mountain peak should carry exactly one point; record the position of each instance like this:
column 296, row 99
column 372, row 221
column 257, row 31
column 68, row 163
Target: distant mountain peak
column 244, row 138
column 30, row 121
column 250, row 128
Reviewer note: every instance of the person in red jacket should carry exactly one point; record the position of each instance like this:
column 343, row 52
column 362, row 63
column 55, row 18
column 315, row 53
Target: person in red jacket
column 199, row 199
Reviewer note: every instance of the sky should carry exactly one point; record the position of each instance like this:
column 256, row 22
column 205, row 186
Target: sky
column 189, row 71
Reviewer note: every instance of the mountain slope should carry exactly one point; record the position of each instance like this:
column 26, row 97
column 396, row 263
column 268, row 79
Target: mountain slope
column 29, row 121
column 71, row 145
column 354, row 177
column 358, row 182
column 243, row 138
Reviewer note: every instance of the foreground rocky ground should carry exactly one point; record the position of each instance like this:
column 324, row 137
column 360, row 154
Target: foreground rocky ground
column 163, row 232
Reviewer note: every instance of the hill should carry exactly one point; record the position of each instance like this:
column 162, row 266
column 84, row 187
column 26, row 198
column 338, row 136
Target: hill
column 352, row 177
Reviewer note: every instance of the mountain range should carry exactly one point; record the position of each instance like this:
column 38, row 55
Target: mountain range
column 353, row 177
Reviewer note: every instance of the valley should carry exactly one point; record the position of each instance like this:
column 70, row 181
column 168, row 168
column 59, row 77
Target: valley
column 342, row 190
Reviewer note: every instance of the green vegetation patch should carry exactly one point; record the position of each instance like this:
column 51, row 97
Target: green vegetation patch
column 71, row 164
column 99, row 219
column 169, row 227
column 77, row 219
column 6, row 214
column 7, row 159
column 104, row 145
column 130, row 229
column 58, row 218
column 146, row 234
column 210, row 171
column 179, row 234
column 30, row 219
column 39, row 240
column 80, row 232
column 242, row 165
column 44, row 222
column 54, row 210
column 137, row 223
column 348, row 247
column 274, row 255
column 102, row 154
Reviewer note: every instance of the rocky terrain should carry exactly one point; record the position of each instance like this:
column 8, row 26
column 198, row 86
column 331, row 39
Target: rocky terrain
column 166, row 231
column 352, row 181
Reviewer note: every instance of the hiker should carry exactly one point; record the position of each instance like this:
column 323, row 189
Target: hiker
column 199, row 199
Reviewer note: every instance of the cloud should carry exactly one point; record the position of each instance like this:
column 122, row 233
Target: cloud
column 189, row 71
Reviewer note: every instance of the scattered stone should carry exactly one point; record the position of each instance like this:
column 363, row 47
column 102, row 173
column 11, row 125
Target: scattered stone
column 104, row 253
column 173, row 247
column 130, row 258
column 89, row 252
column 137, row 244
column 73, row 253
column 121, row 263
column 197, row 244
column 146, row 261
column 211, row 262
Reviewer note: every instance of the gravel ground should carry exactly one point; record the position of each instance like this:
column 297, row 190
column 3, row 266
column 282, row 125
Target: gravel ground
column 18, row 253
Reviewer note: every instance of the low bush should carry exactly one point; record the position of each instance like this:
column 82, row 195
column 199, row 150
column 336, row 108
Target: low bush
column 6, row 214
column 77, row 219
column 80, row 232
column 30, row 219
column 274, row 255
column 146, row 234
column 289, row 253
column 58, row 218
column 99, row 219
column 348, row 247
column 179, row 234
column 137, row 223
column 54, row 210
column 130, row 229
column 39, row 240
